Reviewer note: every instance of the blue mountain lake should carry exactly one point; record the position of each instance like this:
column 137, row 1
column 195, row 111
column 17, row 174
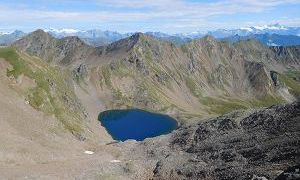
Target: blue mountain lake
column 136, row 124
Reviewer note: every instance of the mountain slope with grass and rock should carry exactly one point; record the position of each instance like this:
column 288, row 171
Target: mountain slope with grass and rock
column 52, row 91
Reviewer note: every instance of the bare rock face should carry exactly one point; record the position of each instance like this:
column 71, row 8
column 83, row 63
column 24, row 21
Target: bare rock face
column 258, row 78
column 290, row 173
column 288, row 55
column 241, row 145
column 80, row 72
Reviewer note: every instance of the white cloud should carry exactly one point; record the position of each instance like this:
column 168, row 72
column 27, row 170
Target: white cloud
column 175, row 13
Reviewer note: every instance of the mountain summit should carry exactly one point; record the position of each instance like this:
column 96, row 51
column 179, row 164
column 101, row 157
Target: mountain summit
column 61, row 51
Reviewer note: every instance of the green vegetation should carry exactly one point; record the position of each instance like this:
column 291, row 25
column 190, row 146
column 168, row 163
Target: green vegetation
column 184, row 48
column 120, row 99
column 148, row 55
column 155, row 94
column 294, row 74
column 120, row 69
column 43, row 97
column 266, row 101
column 106, row 75
column 37, row 97
column 11, row 56
column 222, row 106
column 190, row 83
column 288, row 80
column 217, row 105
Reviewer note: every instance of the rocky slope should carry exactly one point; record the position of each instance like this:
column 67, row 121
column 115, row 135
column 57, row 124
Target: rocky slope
column 47, row 89
column 45, row 128
column 287, row 54
column 201, row 78
column 59, row 51
column 241, row 145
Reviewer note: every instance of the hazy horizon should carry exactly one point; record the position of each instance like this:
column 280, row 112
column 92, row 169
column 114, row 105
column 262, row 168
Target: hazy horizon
column 75, row 30
column 168, row 16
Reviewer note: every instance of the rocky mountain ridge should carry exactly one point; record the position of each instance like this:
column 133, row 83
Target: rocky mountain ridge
column 267, row 39
column 203, row 77
column 58, row 51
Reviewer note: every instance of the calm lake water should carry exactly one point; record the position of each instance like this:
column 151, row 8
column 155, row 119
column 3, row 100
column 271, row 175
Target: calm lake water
column 136, row 124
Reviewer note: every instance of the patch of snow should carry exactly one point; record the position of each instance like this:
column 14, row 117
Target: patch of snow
column 89, row 152
column 115, row 161
column 271, row 27
column 258, row 177
column 195, row 32
column 247, row 29
column 272, row 44
column 65, row 30
column 190, row 34
column 4, row 33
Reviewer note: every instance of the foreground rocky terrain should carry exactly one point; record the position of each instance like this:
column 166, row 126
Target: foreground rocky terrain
column 260, row 144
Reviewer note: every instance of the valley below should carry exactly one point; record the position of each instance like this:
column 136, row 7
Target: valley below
column 236, row 104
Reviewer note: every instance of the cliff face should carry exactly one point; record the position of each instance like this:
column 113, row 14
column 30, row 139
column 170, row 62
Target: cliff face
column 240, row 145
column 288, row 55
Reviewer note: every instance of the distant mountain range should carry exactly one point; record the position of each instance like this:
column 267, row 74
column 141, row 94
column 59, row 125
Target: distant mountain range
column 93, row 37
column 267, row 29
column 267, row 39
column 8, row 38
column 271, row 35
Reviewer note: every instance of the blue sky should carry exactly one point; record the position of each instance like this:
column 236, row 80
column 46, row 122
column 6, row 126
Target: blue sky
column 169, row 16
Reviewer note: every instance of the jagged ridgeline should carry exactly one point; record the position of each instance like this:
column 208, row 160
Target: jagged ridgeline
column 202, row 78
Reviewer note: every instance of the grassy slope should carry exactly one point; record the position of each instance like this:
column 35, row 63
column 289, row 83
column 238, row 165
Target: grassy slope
column 289, row 80
column 147, row 89
column 51, row 89
column 155, row 95
column 157, row 98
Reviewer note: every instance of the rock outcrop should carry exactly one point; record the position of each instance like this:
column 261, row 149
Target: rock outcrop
column 239, row 145
column 288, row 55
